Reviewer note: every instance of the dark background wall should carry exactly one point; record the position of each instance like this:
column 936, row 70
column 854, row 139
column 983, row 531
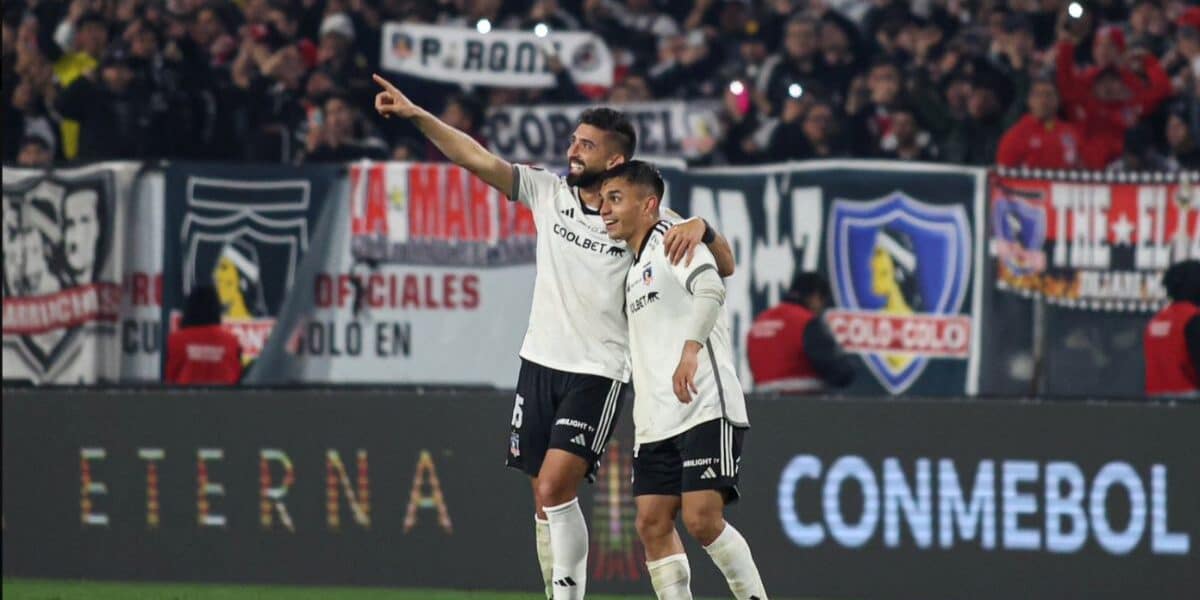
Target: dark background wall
column 809, row 464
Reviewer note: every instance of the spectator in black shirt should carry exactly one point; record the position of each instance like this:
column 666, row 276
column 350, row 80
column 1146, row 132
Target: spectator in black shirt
column 907, row 140
column 799, row 62
column 114, row 116
column 1184, row 151
column 340, row 134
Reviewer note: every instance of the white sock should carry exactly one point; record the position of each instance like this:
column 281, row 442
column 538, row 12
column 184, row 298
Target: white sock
column 731, row 553
column 544, row 554
column 671, row 577
column 569, row 544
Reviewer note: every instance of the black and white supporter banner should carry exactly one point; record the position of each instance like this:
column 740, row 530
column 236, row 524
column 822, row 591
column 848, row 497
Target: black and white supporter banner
column 65, row 235
column 516, row 59
column 542, row 133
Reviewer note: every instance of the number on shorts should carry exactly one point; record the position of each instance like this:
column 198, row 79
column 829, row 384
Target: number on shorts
column 517, row 414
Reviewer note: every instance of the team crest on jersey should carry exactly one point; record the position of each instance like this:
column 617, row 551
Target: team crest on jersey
column 648, row 275
column 246, row 244
column 60, row 277
column 1019, row 230
column 900, row 271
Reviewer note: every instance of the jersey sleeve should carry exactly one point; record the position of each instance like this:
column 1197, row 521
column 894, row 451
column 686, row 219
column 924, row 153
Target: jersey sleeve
column 702, row 261
column 532, row 186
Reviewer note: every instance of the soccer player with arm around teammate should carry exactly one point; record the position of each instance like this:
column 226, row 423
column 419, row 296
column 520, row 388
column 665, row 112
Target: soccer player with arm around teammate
column 574, row 356
column 689, row 413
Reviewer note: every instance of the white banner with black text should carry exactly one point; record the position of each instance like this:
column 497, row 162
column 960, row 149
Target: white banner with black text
column 515, row 59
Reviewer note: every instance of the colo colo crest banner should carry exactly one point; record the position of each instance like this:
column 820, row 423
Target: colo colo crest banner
column 242, row 231
column 899, row 244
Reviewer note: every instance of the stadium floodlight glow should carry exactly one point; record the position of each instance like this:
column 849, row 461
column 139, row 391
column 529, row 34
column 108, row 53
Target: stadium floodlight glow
column 483, row 26
column 737, row 87
column 541, row 30
column 1075, row 10
column 795, row 90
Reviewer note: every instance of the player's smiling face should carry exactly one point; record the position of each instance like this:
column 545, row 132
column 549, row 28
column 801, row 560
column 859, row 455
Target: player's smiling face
column 622, row 207
column 589, row 155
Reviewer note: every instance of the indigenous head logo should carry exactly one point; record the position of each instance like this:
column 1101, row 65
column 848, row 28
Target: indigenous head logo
column 1019, row 230
column 245, row 239
column 900, row 269
column 58, row 272
column 648, row 275
column 237, row 278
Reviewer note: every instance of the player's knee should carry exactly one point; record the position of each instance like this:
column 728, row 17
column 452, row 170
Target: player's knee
column 553, row 491
column 704, row 523
column 652, row 526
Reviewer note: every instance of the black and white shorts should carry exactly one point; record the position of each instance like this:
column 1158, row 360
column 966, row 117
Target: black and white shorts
column 569, row 411
column 705, row 457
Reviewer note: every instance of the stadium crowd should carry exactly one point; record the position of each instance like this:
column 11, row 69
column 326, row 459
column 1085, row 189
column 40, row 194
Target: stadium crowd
column 1105, row 84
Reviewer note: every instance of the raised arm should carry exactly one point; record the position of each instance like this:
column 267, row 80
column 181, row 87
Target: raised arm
column 681, row 241
column 456, row 145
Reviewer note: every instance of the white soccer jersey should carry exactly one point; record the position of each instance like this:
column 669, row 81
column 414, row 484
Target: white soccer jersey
column 658, row 301
column 575, row 323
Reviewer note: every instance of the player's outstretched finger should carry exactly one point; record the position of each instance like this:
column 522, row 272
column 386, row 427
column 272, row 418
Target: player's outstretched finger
column 385, row 84
column 690, row 253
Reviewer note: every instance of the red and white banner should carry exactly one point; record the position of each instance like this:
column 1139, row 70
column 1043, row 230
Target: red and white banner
column 1091, row 240
column 428, row 280
column 926, row 335
column 67, row 309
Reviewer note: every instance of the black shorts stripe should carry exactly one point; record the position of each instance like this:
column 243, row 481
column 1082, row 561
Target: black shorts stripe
column 712, row 357
column 598, row 437
column 727, row 464
column 606, row 419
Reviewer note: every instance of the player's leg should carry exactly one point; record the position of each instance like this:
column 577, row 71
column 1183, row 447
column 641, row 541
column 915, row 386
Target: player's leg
column 582, row 426
column 542, row 536
column 666, row 560
column 710, row 452
column 656, row 485
column 558, row 482
column 529, row 438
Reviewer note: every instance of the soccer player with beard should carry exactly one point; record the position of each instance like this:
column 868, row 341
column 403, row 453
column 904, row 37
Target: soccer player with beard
column 574, row 359
column 689, row 413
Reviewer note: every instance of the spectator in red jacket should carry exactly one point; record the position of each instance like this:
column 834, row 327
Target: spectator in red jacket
column 1040, row 140
column 1108, row 98
column 790, row 348
column 1172, row 337
column 200, row 352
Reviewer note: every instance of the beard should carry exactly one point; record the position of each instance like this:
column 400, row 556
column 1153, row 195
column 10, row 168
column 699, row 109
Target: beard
column 585, row 178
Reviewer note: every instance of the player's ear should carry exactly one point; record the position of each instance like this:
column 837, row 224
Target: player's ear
column 614, row 160
column 652, row 205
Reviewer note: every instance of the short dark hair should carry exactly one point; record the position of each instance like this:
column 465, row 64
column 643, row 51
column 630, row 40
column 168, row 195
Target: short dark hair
column 806, row 284
column 202, row 307
column 36, row 140
column 615, row 123
column 638, row 172
column 91, row 18
column 1182, row 281
column 470, row 106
